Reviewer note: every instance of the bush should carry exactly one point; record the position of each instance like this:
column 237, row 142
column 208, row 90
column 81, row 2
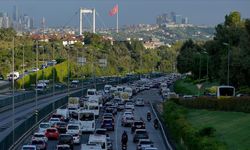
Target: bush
column 181, row 130
column 238, row 104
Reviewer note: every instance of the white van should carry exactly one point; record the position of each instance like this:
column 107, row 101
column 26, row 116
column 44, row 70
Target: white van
column 98, row 139
column 91, row 92
column 63, row 112
column 129, row 91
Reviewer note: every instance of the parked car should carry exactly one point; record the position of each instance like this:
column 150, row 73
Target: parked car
column 52, row 133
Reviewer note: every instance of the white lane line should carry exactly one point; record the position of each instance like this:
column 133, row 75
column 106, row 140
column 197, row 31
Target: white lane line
column 116, row 130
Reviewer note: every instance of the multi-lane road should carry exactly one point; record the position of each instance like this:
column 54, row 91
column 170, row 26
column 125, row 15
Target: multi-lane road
column 140, row 112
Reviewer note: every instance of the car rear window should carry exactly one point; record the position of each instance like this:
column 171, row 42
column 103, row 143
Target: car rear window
column 73, row 127
column 141, row 132
column 51, row 130
column 37, row 142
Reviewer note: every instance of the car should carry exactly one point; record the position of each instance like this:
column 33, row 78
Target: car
column 59, row 116
column 139, row 102
column 143, row 143
column 40, row 144
column 91, row 147
column 102, row 131
column 128, row 113
column 43, row 126
column 52, row 121
column 139, row 124
column 29, row 147
column 76, row 138
column 109, row 144
column 66, row 139
column 111, row 109
column 39, row 136
column 140, row 134
column 130, row 105
column 52, row 133
column 73, row 129
column 108, row 124
column 63, row 147
column 127, row 120
column 120, row 106
column 61, row 127
column 108, row 116
column 150, row 148
column 34, row 70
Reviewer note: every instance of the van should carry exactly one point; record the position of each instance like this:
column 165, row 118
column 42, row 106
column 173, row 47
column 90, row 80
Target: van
column 91, row 92
column 98, row 139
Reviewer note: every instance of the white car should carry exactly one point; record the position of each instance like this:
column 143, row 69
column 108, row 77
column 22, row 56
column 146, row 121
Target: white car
column 53, row 121
column 128, row 113
column 43, row 126
column 73, row 129
column 76, row 138
column 144, row 143
column 39, row 136
column 129, row 105
column 29, row 147
column 139, row 102
column 150, row 148
column 63, row 147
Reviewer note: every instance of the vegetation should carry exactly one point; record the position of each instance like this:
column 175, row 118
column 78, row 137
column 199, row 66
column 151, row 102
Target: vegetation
column 231, row 128
column 188, row 86
column 184, row 134
column 232, row 37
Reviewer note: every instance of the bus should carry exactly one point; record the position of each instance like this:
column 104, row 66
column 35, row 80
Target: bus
column 93, row 106
column 86, row 119
column 225, row 91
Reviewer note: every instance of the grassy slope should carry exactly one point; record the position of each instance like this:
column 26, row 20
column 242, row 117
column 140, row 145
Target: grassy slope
column 233, row 128
column 189, row 88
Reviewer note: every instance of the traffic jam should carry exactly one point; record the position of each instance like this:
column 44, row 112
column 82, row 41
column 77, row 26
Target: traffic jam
column 92, row 122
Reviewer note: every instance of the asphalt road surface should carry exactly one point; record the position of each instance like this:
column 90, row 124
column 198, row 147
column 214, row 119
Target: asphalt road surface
column 140, row 112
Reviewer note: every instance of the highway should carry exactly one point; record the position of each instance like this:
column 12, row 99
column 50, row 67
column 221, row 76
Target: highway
column 23, row 112
column 140, row 112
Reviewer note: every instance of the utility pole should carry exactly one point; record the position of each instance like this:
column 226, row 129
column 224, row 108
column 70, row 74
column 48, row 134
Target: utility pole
column 13, row 92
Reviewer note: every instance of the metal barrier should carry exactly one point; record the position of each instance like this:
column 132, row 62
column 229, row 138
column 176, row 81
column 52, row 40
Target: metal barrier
column 162, row 129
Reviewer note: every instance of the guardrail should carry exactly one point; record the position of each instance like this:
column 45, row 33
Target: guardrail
column 161, row 127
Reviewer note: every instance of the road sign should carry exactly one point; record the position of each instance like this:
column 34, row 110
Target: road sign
column 199, row 86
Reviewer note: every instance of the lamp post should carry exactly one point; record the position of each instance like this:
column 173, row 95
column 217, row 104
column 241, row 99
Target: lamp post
column 228, row 62
column 204, row 52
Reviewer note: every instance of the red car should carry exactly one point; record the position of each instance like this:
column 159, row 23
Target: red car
column 52, row 133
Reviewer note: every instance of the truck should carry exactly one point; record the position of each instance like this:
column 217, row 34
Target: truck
column 74, row 102
column 124, row 96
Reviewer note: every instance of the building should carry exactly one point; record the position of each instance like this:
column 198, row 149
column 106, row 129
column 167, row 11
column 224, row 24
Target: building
column 178, row 19
column 185, row 20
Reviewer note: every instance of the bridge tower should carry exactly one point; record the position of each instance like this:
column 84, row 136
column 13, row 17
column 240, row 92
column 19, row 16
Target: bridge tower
column 87, row 11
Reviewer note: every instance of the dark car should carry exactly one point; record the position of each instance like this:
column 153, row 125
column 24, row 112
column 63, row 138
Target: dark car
column 140, row 134
column 111, row 109
column 120, row 106
column 61, row 117
column 61, row 127
column 40, row 144
column 66, row 139
column 108, row 124
column 1, row 77
column 137, row 125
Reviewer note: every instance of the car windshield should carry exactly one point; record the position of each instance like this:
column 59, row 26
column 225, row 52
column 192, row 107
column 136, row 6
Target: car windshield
column 73, row 127
column 51, row 130
column 28, row 148
column 44, row 125
column 65, row 137
column 39, row 135
column 87, row 116
column 138, row 123
column 37, row 142
column 107, row 121
column 63, row 148
column 146, row 142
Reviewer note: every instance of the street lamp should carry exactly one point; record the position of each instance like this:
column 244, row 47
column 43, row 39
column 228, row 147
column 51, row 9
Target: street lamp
column 228, row 61
column 204, row 52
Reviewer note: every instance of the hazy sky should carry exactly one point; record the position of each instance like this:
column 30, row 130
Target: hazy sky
column 61, row 12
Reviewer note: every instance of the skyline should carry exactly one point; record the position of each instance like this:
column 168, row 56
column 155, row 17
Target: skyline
column 130, row 12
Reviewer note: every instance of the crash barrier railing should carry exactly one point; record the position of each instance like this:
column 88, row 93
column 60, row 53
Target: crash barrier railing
column 162, row 128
